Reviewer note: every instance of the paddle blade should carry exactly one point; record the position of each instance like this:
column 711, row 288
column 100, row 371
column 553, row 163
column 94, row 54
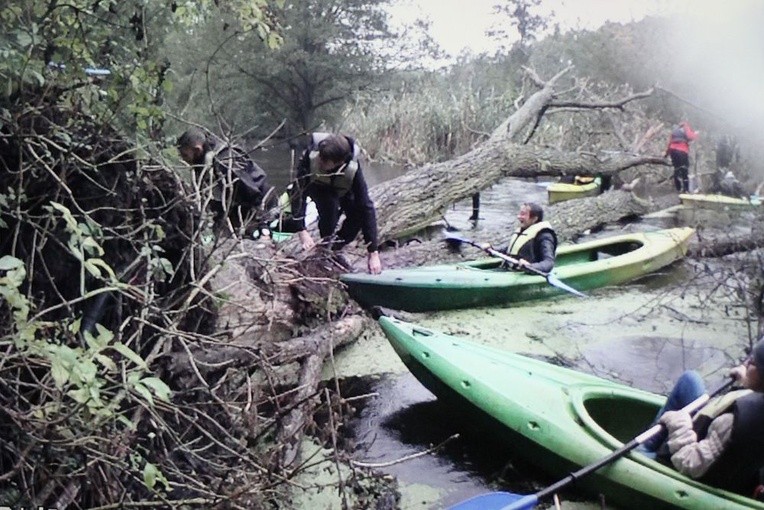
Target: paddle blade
column 453, row 242
column 497, row 501
column 555, row 282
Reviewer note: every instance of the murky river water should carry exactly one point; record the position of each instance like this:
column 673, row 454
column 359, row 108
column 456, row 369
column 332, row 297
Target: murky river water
column 643, row 334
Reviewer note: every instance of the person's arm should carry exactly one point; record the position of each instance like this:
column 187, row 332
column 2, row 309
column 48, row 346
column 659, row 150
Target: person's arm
column 365, row 207
column 691, row 134
column 689, row 456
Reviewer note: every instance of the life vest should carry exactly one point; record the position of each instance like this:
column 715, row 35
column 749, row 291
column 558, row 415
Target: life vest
column 341, row 179
column 520, row 244
column 738, row 467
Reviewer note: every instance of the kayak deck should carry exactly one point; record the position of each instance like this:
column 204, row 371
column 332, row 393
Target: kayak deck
column 557, row 418
column 560, row 191
column 483, row 282
column 718, row 202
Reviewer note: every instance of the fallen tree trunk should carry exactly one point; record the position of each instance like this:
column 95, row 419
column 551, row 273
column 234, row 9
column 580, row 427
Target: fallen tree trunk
column 420, row 196
column 716, row 246
column 417, row 198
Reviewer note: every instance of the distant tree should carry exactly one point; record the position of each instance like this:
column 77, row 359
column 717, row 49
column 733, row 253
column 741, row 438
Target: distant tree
column 524, row 18
column 47, row 46
column 330, row 50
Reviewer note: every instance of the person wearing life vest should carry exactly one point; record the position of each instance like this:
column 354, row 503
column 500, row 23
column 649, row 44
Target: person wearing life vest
column 730, row 186
column 534, row 242
column 329, row 172
column 723, row 445
column 239, row 187
column 679, row 150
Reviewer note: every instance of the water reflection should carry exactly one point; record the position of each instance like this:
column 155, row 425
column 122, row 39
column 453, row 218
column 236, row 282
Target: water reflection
column 406, row 419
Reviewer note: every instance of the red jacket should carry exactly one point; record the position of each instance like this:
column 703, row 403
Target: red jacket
column 680, row 138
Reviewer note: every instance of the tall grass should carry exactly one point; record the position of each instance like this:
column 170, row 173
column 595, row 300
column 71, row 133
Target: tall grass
column 426, row 118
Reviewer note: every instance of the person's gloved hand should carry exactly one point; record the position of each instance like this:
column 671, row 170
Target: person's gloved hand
column 679, row 426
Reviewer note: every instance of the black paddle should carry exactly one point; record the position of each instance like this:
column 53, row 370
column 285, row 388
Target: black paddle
column 510, row 501
column 551, row 279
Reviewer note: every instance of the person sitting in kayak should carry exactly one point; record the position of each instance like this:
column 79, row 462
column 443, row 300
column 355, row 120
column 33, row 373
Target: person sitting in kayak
column 723, row 444
column 534, row 242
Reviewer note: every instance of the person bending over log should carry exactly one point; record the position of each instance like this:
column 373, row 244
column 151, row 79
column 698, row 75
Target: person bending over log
column 723, row 445
column 240, row 190
column 329, row 172
column 534, row 242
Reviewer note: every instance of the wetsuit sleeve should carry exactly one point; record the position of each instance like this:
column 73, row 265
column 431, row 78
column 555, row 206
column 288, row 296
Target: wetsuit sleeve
column 547, row 246
column 298, row 194
column 366, row 210
column 694, row 458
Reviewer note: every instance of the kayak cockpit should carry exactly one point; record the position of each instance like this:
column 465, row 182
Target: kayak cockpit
column 568, row 255
column 614, row 416
column 594, row 253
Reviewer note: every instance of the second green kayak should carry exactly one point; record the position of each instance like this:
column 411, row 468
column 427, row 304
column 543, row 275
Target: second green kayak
column 583, row 266
column 557, row 418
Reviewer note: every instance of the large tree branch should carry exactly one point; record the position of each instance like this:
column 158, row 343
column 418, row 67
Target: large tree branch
column 528, row 112
column 413, row 200
column 599, row 105
column 417, row 198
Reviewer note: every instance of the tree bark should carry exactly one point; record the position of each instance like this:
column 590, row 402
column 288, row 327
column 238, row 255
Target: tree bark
column 318, row 345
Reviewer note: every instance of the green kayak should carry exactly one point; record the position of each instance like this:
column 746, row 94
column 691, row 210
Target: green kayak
column 718, row 202
column 555, row 417
column 560, row 191
column 583, row 266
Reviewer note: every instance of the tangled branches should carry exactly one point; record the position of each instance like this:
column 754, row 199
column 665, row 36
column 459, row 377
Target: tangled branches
column 105, row 284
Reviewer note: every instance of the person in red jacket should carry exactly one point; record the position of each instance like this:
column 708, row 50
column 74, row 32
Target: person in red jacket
column 679, row 151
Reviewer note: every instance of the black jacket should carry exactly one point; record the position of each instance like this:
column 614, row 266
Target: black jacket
column 355, row 203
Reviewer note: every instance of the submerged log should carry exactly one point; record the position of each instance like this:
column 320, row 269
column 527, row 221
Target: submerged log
column 717, row 246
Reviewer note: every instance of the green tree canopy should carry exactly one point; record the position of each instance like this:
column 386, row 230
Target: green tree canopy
column 330, row 51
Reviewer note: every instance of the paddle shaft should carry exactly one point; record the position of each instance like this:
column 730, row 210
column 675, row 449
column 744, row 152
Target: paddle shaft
column 550, row 278
column 503, row 256
column 528, row 502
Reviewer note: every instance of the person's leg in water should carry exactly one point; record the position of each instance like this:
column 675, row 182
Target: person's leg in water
column 475, row 207
column 688, row 388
